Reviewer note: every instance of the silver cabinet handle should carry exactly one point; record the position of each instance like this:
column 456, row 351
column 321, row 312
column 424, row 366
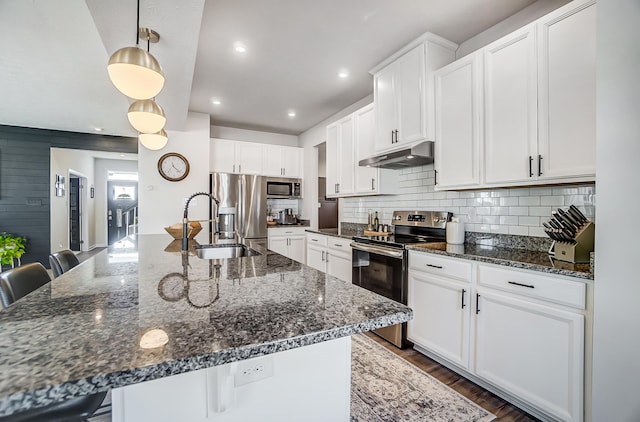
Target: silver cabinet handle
column 373, row 182
column 234, row 168
column 314, row 240
column 322, row 255
column 327, row 255
column 239, row 168
column 335, row 244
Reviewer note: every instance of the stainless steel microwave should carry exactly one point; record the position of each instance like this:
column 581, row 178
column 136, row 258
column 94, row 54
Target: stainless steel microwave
column 284, row 188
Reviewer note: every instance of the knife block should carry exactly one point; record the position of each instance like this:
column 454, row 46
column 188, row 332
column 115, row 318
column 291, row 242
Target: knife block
column 581, row 250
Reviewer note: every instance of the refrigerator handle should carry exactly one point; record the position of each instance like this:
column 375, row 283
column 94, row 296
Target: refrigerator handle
column 241, row 215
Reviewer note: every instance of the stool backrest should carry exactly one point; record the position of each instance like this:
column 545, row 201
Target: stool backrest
column 20, row 281
column 62, row 261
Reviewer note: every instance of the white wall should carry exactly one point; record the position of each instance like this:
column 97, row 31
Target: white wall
column 161, row 201
column 223, row 132
column 102, row 168
column 309, row 140
column 616, row 357
column 520, row 19
column 62, row 162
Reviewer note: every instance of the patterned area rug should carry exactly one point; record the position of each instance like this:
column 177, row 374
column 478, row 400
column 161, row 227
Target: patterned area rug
column 385, row 387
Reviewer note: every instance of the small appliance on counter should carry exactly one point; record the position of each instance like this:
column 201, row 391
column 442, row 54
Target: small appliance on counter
column 572, row 233
column 286, row 216
column 455, row 231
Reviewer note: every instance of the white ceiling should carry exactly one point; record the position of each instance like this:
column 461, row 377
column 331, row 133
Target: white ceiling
column 54, row 55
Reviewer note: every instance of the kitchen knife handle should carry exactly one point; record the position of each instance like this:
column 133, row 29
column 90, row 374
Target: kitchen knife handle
column 463, row 292
column 539, row 165
column 530, row 166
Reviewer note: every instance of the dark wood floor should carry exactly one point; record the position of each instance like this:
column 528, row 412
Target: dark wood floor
column 504, row 411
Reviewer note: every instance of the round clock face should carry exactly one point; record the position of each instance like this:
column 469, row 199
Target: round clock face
column 173, row 166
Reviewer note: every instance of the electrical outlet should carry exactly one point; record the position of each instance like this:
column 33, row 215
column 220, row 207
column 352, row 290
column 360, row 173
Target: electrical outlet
column 254, row 370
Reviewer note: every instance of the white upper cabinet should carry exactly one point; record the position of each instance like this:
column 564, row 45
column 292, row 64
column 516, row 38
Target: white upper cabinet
column 510, row 112
column 282, row 161
column 340, row 157
column 458, row 90
column 538, row 109
column 228, row 156
column 403, row 91
column 567, row 91
column 369, row 180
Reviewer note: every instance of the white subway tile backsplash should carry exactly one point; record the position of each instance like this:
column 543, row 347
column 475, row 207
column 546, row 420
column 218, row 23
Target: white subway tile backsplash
column 518, row 211
column 529, row 201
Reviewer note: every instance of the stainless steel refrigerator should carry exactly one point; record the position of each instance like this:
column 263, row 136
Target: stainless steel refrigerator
column 243, row 204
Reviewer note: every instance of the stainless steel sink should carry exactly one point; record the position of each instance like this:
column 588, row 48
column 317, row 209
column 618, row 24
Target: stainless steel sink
column 224, row 251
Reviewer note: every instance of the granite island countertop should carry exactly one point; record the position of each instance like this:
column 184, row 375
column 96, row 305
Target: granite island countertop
column 515, row 258
column 82, row 332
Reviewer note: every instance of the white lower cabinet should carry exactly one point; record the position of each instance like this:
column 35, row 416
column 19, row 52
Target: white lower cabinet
column 441, row 312
column 532, row 351
column 289, row 242
column 519, row 331
column 330, row 254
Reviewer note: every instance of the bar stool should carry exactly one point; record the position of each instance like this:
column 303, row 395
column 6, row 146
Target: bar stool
column 62, row 261
column 15, row 284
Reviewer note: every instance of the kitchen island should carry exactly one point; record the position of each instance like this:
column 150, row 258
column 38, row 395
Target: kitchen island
column 131, row 316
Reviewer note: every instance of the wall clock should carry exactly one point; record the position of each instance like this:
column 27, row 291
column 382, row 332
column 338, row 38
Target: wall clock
column 173, row 166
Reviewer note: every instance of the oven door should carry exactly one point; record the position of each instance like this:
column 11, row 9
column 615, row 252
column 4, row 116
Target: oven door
column 383, row 271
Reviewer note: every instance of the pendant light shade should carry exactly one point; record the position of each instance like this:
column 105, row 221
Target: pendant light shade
column 146, row 116
column 136, row 73
column 154, row 141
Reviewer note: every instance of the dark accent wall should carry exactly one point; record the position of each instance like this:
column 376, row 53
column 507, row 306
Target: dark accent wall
column 25, row 183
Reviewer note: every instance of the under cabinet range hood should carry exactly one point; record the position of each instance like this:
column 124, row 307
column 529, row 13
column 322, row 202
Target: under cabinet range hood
column 412, row 155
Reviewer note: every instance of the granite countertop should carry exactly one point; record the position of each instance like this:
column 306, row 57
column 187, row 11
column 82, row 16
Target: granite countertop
column 299, row 224
column 515, row 258
column 82, row 332
column 335, row 233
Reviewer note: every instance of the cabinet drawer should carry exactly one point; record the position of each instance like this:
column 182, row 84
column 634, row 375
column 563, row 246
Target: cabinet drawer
column 446, row 267
column 532, row 284
column 339, row 244
column 286, row 231
column 316, row 239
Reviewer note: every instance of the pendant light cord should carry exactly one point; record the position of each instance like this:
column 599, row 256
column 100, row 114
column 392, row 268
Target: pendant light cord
column 138, row 25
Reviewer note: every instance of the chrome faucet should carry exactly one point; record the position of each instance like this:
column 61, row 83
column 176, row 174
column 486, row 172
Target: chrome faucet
column 185, row 219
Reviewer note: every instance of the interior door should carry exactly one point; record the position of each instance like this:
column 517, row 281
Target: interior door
column 74, row 214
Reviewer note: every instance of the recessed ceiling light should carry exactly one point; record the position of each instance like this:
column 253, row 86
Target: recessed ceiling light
column 216, row 102
column 239, row 47
column 343, row 74
column 98, row 129
column 292, row 114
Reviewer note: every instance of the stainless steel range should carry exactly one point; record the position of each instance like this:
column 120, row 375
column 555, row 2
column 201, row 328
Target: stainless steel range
column 380, row 262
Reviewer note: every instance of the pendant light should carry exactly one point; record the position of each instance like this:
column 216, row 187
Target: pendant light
column 146, row 116
column 135, row 72
column 154, row 141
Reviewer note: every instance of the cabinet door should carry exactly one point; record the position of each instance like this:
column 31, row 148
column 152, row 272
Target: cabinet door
column 316, row 257
column 332, row 160
column 534, row 351
column 297, row 248
column 291, row 162
column 411, row 97
column 278, row 245
column 458, row 123
column 346, row 156
column 222, row 157
column 567, row 91
column 339, row 265
column 272, row 160
column 365, row 177
column 249, row 157
column 385, row 107
column 510, row 108
column 440, row 316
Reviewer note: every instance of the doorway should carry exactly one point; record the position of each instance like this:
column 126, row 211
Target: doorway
column 76, row 213
column 327, row 207
column 122, row 209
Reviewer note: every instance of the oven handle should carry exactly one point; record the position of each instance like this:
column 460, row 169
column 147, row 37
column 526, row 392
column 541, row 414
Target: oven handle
column 378, row 250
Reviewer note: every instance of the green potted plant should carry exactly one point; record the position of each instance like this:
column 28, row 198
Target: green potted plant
column 11, row 249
